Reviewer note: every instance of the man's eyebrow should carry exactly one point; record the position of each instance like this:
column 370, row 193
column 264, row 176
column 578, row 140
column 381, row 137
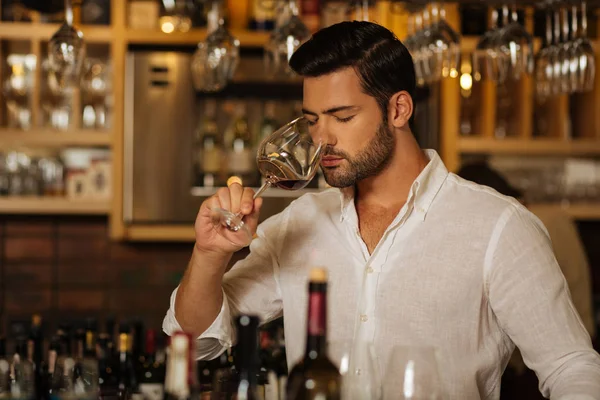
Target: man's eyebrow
column 332, row 110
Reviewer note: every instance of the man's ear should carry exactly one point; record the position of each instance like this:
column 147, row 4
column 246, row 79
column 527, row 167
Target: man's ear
column 400, row 109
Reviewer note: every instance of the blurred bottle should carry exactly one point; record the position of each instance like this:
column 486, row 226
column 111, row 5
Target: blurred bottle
column 209, row 148
column 22, row 379
column 4, row 371
column 181, row 378
column 223, row 382
column 310, row 11
column 153, row 371
column 88, row 375
column 262, row 15
column 333, row 12
column 241, row 157
column 127, row 384
column 238, row 13
column 35, row 350
column 247, row 358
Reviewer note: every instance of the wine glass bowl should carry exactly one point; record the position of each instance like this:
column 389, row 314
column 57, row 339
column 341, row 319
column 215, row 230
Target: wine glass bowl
column 216, row 58
column 66, row 51
column 289, row 159
column 412, row 374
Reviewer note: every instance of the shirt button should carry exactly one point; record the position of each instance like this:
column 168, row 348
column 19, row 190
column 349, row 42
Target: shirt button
column 369, row 270
column 364, row 318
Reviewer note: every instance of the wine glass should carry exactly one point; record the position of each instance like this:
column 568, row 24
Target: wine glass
column 289, row 158
column 516, row 43
column 66, row 51
column 216, row 59
column 358, row 366
column 289, row 33
column 412, row 374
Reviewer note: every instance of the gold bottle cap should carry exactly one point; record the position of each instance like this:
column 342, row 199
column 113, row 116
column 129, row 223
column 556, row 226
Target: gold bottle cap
column 318, row 275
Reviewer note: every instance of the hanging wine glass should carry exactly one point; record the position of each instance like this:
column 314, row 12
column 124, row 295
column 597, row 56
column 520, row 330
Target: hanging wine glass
column 216, row 59
column 516, row 43
column 544, row 69
column 447, row 40
column 289, row 33
column 289, row 159
column 488, row 61
column 586, row 56
column 66, row 51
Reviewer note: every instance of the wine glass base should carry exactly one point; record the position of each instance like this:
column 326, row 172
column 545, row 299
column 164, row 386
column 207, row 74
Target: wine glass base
column 231, row 227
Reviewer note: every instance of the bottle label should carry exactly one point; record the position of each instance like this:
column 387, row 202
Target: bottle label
column 316, row 314
column 309, row 7
column 211, row 160
column 263, row 10
column 152, row 391
column 241, row 161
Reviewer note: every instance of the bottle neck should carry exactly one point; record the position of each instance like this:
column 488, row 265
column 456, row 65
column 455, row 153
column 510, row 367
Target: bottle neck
column 90, row 344
column 180, row 374
column 316, row 336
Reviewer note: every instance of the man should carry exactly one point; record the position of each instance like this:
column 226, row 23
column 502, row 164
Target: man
column 416, row 255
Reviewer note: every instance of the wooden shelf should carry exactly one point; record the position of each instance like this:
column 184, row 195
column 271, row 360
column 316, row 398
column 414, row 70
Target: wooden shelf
column 516, row 146
column 38, row 31
column 52, row 138
column 138, row 36
column 53, row 205
column 161, row 233
column 270, row 193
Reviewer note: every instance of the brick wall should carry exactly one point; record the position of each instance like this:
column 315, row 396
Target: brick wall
column 66, row 268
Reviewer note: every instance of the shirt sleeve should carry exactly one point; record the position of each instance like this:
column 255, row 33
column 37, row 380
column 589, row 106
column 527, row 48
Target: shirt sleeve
column 251, row 286
column 529, row 296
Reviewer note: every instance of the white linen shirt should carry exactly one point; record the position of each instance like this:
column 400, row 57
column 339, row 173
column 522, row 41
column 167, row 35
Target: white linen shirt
column 461, row 267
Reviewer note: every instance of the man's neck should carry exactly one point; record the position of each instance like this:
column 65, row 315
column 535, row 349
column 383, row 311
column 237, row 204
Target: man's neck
column 390, row 188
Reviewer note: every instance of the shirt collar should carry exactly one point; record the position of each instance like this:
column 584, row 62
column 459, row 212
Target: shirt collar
column 423, row 190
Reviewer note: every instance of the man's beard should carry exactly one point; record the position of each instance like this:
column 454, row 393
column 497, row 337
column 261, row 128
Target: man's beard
column 369, row 162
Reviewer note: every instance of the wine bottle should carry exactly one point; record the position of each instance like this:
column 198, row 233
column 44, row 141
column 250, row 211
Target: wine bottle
column 241, row 155
column 247, row 359
column 310, row 11
column 315, row 376
column 22, row 379
column 209, row 148
column 35, row 349
column 180, row 379
column 4, row 370
column 127, row 384
column 88, row 376
column 262, row 15
column 152, row 375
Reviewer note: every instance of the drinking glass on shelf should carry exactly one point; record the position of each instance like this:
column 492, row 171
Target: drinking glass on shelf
column 95, row 87
column 289, row 159
column 357, row 364
column 412, row 374
column 66, row 51
column 17, row 89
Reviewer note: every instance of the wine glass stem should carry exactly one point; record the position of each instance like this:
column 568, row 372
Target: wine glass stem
column 260, row 191
column 69, row 12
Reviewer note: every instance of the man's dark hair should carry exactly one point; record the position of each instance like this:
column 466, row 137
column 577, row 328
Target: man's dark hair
column 382, row 62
